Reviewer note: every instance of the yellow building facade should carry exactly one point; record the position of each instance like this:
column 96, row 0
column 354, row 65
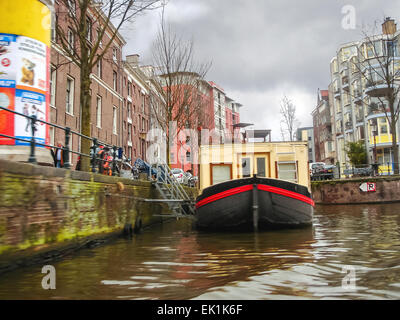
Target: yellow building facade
column 278, row 160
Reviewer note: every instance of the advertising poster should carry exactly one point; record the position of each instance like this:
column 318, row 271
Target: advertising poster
column 31, row 65
column 24, row 83
column 29, row 103
column 6, row 118
column 8, row 60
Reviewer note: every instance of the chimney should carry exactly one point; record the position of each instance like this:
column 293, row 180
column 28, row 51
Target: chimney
column 389, row 27
column 133, row 60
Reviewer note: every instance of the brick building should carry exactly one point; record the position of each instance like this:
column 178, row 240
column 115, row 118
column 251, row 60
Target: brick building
column 119, row 97
column 136, row 114
column 323, row 134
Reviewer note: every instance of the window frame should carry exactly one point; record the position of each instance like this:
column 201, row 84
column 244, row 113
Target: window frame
column 115, row 120
column 70, row 96
column 99, row 114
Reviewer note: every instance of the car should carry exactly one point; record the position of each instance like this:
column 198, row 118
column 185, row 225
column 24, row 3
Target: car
column 328, row 171
column 179, row 175
column 315, row 170
column 193, row 181
column 126, row 170
column 322, row 171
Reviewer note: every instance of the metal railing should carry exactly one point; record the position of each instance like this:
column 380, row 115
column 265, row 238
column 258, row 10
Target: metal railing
column 96, row 145
column 170, row 188
column 348, row 171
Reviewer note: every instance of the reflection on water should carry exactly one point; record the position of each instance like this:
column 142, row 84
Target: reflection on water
column 173, row 261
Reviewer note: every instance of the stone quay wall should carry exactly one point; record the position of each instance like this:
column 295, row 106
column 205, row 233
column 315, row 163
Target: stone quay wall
column 46, row 212
column 348, row 191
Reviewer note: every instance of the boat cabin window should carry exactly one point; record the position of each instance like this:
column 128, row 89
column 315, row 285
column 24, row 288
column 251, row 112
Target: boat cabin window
column 287, row 171
column 221, row 173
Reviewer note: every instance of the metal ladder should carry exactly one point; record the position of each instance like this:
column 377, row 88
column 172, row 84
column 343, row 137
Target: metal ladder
column 173, row 192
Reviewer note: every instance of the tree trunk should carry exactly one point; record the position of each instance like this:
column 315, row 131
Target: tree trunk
column 85, row 99
column 393, row 125
column 395, row 149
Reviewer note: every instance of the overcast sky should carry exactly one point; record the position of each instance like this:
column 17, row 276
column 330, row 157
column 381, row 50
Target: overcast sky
column 263, row 49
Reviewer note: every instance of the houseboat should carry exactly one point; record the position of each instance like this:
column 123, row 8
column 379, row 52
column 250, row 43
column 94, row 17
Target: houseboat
column 257, row 186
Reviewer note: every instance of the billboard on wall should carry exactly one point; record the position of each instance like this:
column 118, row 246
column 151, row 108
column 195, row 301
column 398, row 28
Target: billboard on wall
column 24, row 82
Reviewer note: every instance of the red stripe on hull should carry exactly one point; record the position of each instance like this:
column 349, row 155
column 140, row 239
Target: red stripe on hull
column 286, row 193
column 223, row 194
column 262, row 187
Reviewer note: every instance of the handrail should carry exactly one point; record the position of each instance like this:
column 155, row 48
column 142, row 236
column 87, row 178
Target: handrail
column 33, row 143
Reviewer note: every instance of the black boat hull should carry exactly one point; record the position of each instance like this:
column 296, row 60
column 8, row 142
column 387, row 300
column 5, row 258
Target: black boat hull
column 254, row 203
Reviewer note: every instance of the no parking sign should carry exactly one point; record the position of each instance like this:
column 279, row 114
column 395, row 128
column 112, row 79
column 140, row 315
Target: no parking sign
column 368, row 187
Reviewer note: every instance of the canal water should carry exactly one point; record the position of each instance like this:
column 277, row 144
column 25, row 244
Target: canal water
column 351, row 252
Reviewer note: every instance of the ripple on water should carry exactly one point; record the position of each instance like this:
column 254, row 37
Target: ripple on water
column 176, row 262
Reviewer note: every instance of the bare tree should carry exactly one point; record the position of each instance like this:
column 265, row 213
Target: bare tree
column 84, row 47
column 288, row 121
column 379, row 73
column 180, row 79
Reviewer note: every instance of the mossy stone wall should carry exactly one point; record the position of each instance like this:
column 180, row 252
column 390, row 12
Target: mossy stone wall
column 44, row 210
column 347, row 191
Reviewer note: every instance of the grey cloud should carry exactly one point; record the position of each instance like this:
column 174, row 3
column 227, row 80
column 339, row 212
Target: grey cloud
column 260, row 46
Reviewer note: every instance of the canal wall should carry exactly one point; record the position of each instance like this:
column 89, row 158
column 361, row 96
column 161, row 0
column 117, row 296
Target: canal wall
column 46, row 212
column 354, row 191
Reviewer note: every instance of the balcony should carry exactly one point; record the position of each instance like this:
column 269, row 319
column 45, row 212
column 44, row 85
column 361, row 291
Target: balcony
column 357, row 97
column 336, row 93
column 360, row 117
column 377, row 109
column 377, row 89
column 347, row 109
column 348, row 125
column 345, row 83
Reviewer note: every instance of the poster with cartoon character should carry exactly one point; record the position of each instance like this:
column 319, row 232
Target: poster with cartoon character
column 32, row 65
column 30, row 104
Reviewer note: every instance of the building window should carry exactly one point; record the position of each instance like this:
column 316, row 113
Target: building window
column 130, row 153
column 53, row 79
column 114, row 120
column 98, row 37
column 70, row 96
column 115, row 55
column 72, row 8
column 383, row 129
column 54, row 29
column 51, row 134
column 129, row 88
column 88, row 29
column 71, row 40
column 391, row 48
column 129, row 132
column 188, row 156
column 98, row 112
column 99, row 68
column 115, row 81
column 129, row 110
